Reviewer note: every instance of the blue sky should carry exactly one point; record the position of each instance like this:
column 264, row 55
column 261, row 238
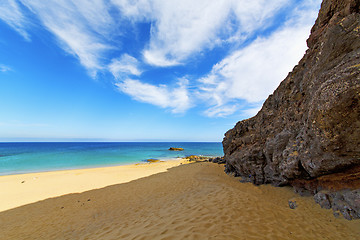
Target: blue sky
column 145, row 70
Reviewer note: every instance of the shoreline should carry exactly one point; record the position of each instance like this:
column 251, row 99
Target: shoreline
column 21, row 189
column 86, row 167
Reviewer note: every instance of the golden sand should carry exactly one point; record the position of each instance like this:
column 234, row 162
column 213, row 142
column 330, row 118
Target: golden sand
column 192, row 201
column 17, row 190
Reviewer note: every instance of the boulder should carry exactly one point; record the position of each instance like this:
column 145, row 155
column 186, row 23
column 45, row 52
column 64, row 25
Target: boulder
column 176, row 149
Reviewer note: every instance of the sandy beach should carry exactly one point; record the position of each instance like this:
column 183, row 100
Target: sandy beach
column 191, row 201
column 21, row 189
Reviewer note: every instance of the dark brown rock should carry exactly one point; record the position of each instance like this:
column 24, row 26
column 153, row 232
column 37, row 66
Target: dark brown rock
column 176, row 149
column 195, row 158
column 323, row 199
column 310, row 126
column 346, row 202
column 347, row 179
column 292, row 204
column 218, row 160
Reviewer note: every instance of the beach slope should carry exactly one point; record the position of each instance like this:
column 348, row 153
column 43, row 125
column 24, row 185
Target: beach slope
column 191, row 201
column 21, row 189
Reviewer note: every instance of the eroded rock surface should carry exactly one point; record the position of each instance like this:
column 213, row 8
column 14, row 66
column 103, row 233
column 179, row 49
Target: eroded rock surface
column 345, row 202
column 310, row 126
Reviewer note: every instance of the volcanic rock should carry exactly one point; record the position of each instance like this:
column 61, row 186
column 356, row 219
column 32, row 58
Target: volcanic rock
column 218, row 160
column 176, row 149
column 347, row 202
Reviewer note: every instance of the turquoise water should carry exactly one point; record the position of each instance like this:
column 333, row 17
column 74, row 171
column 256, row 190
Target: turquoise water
column 16, row 158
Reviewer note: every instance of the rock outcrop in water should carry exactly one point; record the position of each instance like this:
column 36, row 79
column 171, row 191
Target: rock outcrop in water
column 176, row 149
column 310, row 126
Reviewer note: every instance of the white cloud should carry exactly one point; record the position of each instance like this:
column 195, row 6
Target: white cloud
column 157, row 58
column 252, row 73
column 180, row 30
column 125, row 65
column 96, row 15
column 250, row 112
column 188, row 27
column 221, row 110
column 4, row 68
column 183, row 28
column 11, row 14
column 177, row 98
column 253, row 15
column 136, row 10
column 79, row 26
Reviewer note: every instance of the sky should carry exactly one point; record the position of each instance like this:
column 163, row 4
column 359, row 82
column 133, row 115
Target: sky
column 143, row 70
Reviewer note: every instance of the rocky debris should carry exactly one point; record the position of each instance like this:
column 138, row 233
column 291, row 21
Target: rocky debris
column 195, row 158
column 152, row 160
column 322, row 198
column 310, row 126
column 176, row 149
column 292, row 204
column 346, row 202
column 218, row 160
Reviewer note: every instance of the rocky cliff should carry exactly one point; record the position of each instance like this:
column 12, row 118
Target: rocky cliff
column 310, row 126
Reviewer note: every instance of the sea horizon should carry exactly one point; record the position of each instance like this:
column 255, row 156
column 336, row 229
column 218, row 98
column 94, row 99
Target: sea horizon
column 32, row 157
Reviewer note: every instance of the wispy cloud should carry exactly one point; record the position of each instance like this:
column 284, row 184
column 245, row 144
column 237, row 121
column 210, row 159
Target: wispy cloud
column 250, row 112
column 124, row 66
column 220, row 110
column 252, row 73
column 183, row 29
column 79, row 26
column 4, row 68
column 135, row 10
column 180, row 32
column 177, row 99
column 11, row 13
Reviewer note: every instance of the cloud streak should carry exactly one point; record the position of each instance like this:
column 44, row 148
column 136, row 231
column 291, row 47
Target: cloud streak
column 79, row 26
column 11, row 13
column 124, row 66
column 177, row 99
column 185, row 28
column 4, row 68
column 253, row 72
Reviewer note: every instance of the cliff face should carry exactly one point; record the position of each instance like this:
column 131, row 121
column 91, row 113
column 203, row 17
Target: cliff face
column 310, row 126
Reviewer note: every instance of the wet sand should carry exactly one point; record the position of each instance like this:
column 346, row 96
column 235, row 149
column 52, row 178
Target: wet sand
column 192, row 201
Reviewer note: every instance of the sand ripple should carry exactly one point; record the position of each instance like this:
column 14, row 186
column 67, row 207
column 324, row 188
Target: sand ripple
column 196, row 201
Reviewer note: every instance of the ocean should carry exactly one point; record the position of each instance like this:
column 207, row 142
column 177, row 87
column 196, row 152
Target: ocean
column 17, row 158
